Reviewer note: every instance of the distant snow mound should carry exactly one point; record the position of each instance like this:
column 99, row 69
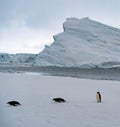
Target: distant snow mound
column 84, row 43
column 5, row 58
column 17, row 59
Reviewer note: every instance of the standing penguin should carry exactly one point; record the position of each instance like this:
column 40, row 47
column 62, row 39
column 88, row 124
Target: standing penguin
column 98, row 97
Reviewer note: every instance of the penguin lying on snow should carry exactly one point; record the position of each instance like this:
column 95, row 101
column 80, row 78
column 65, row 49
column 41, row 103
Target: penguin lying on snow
column 13, row 103
column 59, row 100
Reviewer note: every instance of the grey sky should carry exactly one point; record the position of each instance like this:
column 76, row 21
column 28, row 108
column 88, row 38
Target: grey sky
column 27, row 25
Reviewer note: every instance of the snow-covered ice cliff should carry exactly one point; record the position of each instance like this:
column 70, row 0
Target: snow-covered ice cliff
column 17, row 59
column 83, row 43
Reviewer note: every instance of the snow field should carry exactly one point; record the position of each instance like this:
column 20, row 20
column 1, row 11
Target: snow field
column 35, row 92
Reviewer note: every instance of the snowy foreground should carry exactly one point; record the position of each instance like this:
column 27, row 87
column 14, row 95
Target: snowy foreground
column 35, row 92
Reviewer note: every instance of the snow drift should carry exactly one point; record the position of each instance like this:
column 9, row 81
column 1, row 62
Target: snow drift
column 84, row 43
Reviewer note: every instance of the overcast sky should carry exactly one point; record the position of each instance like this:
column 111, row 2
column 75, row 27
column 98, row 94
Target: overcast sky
column 27, row 25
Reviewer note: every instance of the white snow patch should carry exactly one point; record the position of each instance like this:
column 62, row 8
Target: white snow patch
column 35, row 92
